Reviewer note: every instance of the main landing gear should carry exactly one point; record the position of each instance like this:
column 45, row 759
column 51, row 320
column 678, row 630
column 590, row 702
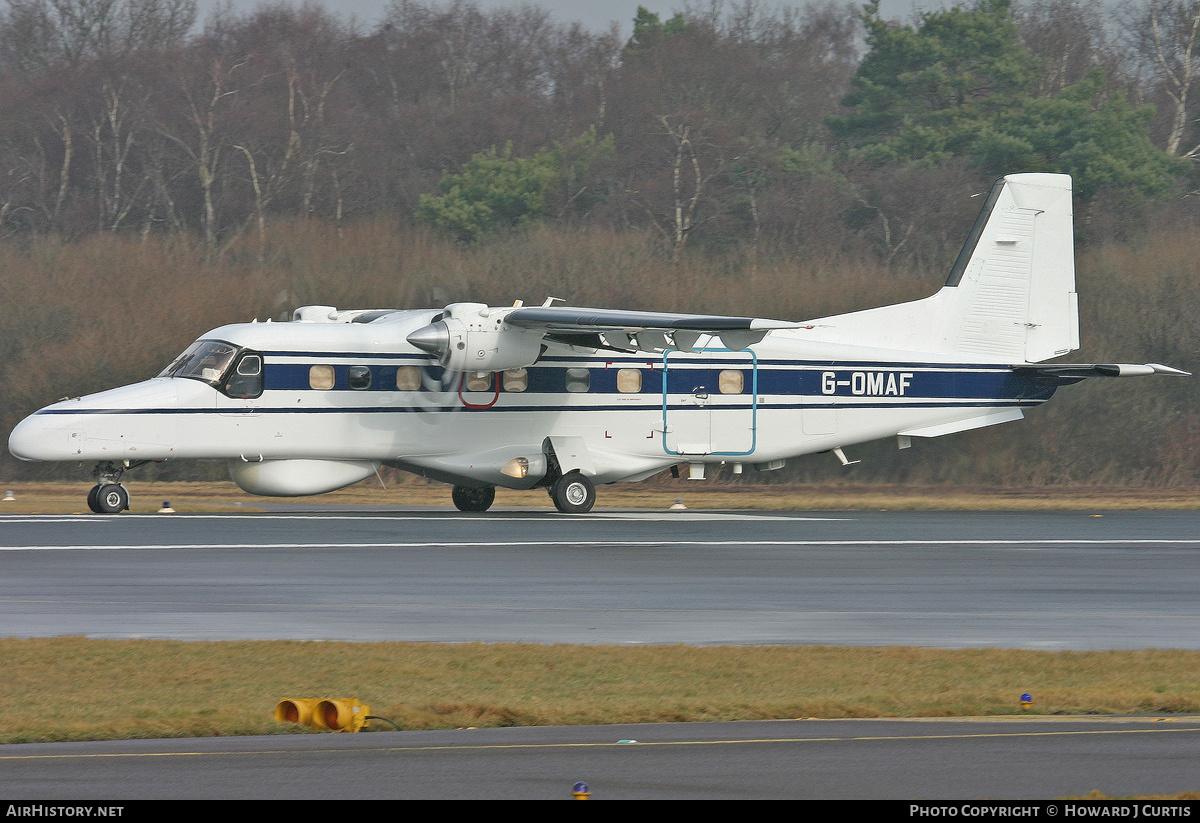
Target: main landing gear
column 573, row 494
column 471, row 499
column 108, row 496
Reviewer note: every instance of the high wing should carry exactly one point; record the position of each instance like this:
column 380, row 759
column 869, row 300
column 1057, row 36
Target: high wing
column 478, row 337
column 1065, row 373
column 640, row 330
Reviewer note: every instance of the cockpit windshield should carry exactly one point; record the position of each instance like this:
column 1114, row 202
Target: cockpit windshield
column 206, row 360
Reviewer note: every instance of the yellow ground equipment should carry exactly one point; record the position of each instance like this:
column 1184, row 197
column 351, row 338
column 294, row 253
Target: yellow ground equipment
column 324, row 714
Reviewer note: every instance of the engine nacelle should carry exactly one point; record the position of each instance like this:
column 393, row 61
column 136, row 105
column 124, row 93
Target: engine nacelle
column 473, row 337
column 294, row 478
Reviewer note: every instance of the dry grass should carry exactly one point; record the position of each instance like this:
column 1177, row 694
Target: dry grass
column 71, row 688
column 661, row 493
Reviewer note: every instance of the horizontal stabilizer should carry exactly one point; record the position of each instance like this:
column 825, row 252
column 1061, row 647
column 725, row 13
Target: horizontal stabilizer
column 1074, row 372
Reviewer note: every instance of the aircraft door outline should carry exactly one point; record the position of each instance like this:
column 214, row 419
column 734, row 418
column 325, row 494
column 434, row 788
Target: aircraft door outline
column 700, row 423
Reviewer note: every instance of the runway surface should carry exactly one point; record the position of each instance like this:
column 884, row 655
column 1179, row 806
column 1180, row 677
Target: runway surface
column 1045, row 580
column 1041, row 580
column 941, row 759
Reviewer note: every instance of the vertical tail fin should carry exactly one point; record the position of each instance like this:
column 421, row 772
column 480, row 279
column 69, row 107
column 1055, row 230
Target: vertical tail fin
column 1010, row 296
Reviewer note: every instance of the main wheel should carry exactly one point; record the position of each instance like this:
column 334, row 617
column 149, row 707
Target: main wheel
column 573, row 494
column 94, row 499
column 111, row 498
column 470, row 499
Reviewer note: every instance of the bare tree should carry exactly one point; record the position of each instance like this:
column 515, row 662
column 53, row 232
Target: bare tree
column 1072, row 37
column 196, row 123
column 1165, row 34
column 684, row 211
column 72, row 31
column 114, row 135
column 690, row 177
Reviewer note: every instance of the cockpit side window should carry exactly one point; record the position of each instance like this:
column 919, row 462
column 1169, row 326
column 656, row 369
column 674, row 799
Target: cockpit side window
column 234, row 371
column 246, row 379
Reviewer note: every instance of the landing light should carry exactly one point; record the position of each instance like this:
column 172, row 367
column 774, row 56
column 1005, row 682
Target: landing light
column 518, row 467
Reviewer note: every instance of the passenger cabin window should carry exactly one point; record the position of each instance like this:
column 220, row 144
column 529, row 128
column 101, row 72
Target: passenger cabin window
column 320, row 378
column 359, row 377
column 478, row 381
column 246, row 380
column 408, row 378
column 516, row 380
column 579, row 380
column 629, row 381
column 731, row 381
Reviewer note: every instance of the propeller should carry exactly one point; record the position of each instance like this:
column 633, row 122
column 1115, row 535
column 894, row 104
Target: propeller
column 474, row 337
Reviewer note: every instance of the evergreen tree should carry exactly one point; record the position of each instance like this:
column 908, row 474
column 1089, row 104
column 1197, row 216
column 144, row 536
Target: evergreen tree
column 494, row 191
column 962, row 84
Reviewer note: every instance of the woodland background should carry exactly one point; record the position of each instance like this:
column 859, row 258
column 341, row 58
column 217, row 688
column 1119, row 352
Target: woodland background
column 161, row 175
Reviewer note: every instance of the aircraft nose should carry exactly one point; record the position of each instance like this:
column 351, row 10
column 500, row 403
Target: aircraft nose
column 41, row 437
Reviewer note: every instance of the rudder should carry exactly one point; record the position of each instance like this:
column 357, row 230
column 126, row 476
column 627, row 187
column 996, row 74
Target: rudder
column 1015, row 276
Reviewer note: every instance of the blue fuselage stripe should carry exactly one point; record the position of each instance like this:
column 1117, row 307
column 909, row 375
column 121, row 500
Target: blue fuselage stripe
column 840, row 381
column 772, row 386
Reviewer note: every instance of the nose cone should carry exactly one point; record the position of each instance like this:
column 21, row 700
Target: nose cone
column 43, row 437
column 434, row 338
column 134, row 422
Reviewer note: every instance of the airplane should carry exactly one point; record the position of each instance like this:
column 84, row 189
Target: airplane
column 569, row 398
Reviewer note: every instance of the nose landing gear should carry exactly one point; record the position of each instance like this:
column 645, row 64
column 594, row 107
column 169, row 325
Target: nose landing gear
column 108, row 496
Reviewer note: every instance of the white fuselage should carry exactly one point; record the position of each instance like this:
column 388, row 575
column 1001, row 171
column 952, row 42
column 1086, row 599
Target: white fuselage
column 354, row 395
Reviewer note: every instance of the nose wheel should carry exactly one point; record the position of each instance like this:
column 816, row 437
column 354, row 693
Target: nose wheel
column 108, row 498
column 573, row 494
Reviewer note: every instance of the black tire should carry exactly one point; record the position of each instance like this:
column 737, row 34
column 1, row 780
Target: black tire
column 470, row 499
column 94, row 499
column 573, row 494
column 112, row 498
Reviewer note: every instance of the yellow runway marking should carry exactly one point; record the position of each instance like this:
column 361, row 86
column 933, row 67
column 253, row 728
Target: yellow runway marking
column 601, row 745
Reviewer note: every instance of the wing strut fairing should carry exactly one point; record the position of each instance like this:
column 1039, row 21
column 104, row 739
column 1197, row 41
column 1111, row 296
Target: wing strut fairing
column 643, row 331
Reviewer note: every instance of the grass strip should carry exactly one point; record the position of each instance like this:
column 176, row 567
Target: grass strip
column 61, row 497
column 73, row 688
